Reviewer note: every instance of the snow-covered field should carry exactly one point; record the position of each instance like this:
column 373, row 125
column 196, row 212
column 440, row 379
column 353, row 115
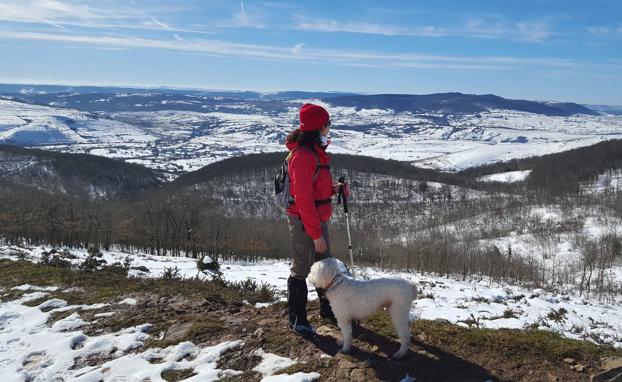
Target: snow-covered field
column 33, row 124
column 180, row 141
column 27, row 340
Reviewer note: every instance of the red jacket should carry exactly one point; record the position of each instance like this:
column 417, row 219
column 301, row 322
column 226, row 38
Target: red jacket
column 301, row 168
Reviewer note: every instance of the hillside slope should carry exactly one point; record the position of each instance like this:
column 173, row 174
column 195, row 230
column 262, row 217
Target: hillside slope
column 73, row 174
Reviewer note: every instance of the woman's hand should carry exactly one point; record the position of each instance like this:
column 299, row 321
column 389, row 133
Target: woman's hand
column 346, row 189
column 320, row 244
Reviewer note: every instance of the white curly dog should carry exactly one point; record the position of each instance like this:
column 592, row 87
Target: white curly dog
column 353, row 299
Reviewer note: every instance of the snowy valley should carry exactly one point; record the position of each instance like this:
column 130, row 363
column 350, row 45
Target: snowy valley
column 177, row 133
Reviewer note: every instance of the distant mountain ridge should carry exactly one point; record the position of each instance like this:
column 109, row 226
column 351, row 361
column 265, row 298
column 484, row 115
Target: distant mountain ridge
column 28, row 90
column 124, row 99
column 457, row 103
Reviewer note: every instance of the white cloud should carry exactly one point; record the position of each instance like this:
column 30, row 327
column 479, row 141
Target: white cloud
column 604, row 30
column 532, row 31
column 242, row 19
column 326, row 25
column 297, row 48
column 529, row 31
column 71, row 14
column 342, row 57
column 483, row 29
column 32, row 11
column 163, row 25
column 598, row 31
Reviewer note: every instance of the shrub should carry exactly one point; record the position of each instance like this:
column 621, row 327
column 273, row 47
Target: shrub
column 118, row 267
column 262, row 292
column 171, row 273
column 557, row 315
column 209, row 265
column 93, row 261
column 52, row 259
column 509, row 313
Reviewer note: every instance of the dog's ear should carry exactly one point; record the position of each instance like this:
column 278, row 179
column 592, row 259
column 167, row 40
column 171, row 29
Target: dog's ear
column 313, row 274
column 342, row 267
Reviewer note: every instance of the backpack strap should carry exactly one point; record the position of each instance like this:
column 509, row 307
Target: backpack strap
column 318, row 166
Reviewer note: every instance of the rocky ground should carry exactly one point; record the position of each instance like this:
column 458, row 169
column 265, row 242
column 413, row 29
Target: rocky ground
column 208, row 314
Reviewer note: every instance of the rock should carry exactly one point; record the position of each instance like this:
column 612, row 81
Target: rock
column 422, row 337
column 232, row 309
column 344, row 367
column 428, row 355
column 141, row 268
column 177, row 332
column 258, row 333
column 612, row 362
column 267, row 321
column 326, row 330
column 346, row 364
column 362, row 375
column 578, row 367
column 235, row 321
column 610, row 370
column 570, row 361
column 365, row 364
column 552, row 377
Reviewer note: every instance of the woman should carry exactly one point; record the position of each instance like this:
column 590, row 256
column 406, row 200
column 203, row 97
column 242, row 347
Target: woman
column 311, row 186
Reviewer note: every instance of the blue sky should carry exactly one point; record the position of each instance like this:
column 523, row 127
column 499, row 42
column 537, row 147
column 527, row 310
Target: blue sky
column 532, row 49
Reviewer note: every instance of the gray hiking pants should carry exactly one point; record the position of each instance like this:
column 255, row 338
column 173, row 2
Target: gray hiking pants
column 302, row 248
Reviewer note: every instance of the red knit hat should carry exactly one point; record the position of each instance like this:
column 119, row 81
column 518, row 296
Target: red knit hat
column 312, row 117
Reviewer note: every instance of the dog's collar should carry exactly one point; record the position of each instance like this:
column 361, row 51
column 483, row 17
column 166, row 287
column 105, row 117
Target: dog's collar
column 334, row 282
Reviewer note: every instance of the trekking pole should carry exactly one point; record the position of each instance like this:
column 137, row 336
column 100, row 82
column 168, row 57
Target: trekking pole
column 342, row 196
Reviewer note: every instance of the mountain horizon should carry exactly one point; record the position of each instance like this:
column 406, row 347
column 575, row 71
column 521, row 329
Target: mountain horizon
column 27, row 88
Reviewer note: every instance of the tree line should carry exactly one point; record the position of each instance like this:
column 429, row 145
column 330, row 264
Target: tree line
column 397, row 222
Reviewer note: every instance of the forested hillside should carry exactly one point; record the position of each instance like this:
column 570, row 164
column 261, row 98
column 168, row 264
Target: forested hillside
column 401, row 217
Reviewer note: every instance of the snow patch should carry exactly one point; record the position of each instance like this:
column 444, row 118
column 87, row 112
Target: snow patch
column 270, row 363
column 506, row 177
column 28, row 287
column 128, row 301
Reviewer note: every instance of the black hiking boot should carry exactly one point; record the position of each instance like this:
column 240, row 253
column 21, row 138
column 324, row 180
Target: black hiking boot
column 297, row 307
column 326, row 312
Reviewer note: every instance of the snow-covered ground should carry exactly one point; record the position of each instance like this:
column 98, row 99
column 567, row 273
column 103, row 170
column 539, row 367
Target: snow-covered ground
column 491, row 305
column 30, row 350
column 610, row 181
column 34, row 351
